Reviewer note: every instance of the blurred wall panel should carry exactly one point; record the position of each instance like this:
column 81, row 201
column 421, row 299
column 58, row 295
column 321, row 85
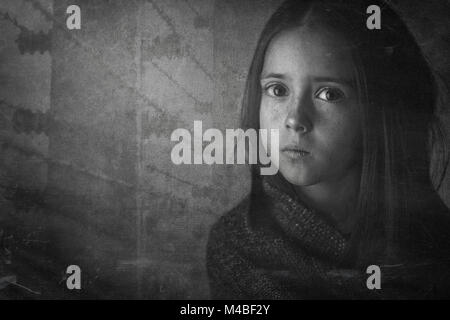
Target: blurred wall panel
column 92, row 175
column 25, row 94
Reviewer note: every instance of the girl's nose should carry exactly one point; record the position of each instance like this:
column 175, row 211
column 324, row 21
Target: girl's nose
column 297, row 118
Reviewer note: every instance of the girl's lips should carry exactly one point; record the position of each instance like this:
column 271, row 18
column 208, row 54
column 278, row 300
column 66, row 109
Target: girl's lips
column 294, row 152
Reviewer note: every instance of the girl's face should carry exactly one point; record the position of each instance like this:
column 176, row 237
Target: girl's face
column 307, row 94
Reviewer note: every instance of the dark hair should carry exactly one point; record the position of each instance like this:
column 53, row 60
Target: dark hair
column 398, row 95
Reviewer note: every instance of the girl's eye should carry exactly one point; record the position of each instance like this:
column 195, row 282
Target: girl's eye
column 330, row 94
column 277, row 90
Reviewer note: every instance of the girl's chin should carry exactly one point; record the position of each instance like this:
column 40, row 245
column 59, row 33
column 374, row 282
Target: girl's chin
column 297, row 177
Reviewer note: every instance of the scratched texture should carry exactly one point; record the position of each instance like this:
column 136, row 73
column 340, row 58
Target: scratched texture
column 85, row 123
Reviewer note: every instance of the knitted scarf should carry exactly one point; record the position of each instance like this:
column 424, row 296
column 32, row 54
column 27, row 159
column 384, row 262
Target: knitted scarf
column 271, row 246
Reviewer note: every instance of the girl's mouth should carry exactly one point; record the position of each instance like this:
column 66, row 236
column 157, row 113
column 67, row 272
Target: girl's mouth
column 294, row 152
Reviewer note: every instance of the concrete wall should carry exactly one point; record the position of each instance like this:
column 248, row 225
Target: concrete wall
column 85, row 123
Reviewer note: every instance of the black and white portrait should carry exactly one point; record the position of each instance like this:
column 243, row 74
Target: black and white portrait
column 251, row 149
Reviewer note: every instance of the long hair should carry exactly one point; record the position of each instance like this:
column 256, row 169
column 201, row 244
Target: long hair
column 397, row 93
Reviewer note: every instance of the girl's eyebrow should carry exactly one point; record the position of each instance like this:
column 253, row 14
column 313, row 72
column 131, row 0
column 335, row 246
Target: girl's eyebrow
column 282, row 76
column 344, row 81
column 274, row 75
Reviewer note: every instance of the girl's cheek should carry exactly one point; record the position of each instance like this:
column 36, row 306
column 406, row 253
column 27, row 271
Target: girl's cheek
column 343, row 129
column 272, row 115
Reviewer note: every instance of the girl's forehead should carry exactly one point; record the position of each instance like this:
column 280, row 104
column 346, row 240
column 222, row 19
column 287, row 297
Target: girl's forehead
column 314, row 51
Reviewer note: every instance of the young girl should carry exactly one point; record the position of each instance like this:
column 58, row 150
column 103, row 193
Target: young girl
column 356, row 114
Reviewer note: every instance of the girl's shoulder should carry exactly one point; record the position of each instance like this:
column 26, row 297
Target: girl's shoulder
column 221, row 249
column 435, row 225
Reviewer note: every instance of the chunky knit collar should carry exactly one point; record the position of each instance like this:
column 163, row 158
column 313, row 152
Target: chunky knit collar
column 271, row 246
column 302, row 225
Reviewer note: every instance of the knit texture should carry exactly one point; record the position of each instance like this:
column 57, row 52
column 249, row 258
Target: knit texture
column 272, row 247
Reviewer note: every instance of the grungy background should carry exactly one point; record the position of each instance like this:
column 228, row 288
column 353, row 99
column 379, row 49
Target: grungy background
column 85, row 123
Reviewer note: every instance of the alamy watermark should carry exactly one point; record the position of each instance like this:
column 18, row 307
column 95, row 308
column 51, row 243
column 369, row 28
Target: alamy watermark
column 229, row 150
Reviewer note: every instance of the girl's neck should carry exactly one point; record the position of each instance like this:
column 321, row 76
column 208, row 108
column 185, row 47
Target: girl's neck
column 336, row 199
